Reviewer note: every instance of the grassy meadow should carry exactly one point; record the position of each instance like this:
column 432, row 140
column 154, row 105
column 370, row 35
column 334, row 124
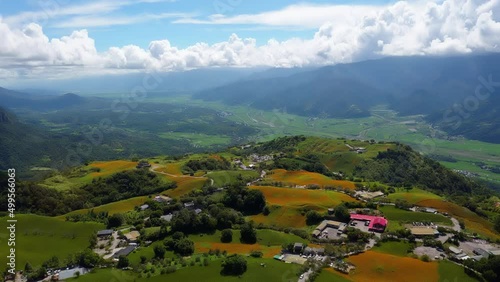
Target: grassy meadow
column 292, row 178
column 39, row 238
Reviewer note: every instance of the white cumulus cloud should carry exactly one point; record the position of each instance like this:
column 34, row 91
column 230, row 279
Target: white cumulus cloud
column 404, row 28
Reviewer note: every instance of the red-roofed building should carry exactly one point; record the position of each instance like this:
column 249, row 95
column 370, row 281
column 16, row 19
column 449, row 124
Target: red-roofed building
column 377, row 223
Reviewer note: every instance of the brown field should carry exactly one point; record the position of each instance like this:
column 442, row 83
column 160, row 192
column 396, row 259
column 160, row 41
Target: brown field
column 108, row 168
column 236, row 248
column 379, row 267
column 306, row 178
column 473, row 222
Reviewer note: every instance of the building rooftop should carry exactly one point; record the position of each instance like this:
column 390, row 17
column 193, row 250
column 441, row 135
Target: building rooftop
column 124, row 252
column 376, row 222
column 423, row 231
column 167, row 217
column 132, row 235
column 454, row 250
column 106, row 232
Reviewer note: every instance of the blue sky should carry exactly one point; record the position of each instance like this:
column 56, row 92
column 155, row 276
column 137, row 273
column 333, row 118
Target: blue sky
column 141, row 32
column 63, row 38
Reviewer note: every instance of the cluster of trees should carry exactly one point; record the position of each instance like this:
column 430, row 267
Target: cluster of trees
column 489, row 267
column 313, row 217
column 207, row 164
column 179, row 244
column 37, row 199
column 218, row 217
column 248, row 201
column 402, row 166
column 234, row 265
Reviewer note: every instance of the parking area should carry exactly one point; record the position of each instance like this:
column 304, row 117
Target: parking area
column 360, row 224
column 294, row 259
column 433, row 253
column 331, row 233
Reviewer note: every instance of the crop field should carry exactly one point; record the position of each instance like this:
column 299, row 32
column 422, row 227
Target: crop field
column 448, row 271
column 39, row 238
column 283, row 217
column 259, row 269
column 265, row 237
column 299, row 197
column 237, row 248
column 272, row 271
column 82, row 175
column 380, row 267
column 398, row 217
column 111, row 167
column 185, row 184
column 198, row 139
column 413, row 196
column 306, row 178
column 287, row 203
column 329, row 274
column 172, row 168
column 112, row 208
column 473, row 222
column 222, row 178
column 393, row 248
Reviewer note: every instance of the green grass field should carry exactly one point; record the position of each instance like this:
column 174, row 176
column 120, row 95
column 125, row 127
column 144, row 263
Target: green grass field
column 450, row 272
column 413, row 196
column 198, row 139
column 112, row 208
column 393, row 248
column 398, row 217
column 266, row 237
column 222, row 178
column 38, row 238
column 330, row 275
column 272, row 271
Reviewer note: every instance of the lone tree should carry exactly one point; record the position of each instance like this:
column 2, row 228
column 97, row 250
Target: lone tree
column 226, row 236
column 122, row 262
column 248, row 233
column 342, row 213
column 159, row 251
column 115, row 220
column 234, row 265
column 313, row 217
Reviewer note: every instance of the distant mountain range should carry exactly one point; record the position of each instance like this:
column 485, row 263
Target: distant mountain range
column 409, row 85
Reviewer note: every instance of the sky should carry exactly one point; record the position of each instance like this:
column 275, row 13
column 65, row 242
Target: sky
column 63, row 38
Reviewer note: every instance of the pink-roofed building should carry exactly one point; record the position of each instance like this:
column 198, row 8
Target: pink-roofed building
column 377, row 223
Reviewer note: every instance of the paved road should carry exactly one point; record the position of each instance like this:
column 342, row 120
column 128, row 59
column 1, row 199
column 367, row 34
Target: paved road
column 306, row 275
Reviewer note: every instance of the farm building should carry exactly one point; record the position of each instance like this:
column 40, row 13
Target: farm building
column 144, row 207
column 143, row 164
column 298, row 247
column 454, row 250
column 104, row 233
column 326, row 224
column 163, row 199
column 376, row 223
column 167, row 217
column 124, row 252
column 189, row 205
column 314, row 251
column 424, row 231
column 132, row 236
